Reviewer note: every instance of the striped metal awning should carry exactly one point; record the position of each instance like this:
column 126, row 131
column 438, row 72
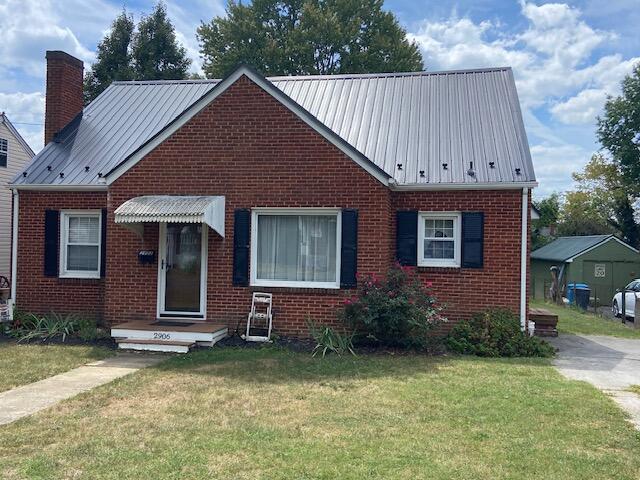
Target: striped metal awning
column 175, row 209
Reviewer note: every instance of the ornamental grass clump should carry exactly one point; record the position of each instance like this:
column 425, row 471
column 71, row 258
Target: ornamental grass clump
column 397, row 310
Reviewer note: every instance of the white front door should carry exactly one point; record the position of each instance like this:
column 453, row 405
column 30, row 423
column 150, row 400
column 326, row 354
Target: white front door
column 182, row 270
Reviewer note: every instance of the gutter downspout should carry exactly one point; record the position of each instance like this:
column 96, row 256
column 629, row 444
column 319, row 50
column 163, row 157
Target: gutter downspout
column 524, row 259
column 14, row 252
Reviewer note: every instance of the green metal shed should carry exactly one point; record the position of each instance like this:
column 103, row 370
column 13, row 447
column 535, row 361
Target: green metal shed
column 604, row 262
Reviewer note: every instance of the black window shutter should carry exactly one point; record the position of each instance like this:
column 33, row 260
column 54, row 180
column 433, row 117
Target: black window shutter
column 103, row 243
column 472, row 239
column 51, row 242
column 241, row 238
column 407, row 237
column 349, row 249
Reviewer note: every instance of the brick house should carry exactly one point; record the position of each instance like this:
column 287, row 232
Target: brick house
column 178, row 199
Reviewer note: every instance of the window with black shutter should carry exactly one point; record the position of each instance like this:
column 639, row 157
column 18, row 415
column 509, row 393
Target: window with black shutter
column 241, row 237
column 349, row 249
column 51, row 242
column 406, row 237
column 439, row 239
column 472, row 240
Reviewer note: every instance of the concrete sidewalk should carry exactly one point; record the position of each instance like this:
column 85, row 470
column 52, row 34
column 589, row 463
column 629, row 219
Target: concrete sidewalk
column 29, row 399
column 609, row 363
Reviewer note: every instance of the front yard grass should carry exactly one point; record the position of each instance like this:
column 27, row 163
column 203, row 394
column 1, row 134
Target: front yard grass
column 572, row 320
column 26, row 363
column 274, row 414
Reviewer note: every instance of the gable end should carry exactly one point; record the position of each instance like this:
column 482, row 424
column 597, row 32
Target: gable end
column 281, row 97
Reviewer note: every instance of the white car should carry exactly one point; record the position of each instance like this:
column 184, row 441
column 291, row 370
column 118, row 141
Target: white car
column 632, row 292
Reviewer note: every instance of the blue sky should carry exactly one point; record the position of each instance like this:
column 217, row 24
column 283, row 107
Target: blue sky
column 567, row 57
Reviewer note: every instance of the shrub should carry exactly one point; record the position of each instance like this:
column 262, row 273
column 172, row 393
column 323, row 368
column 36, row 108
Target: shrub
column 88, row 330
column 29, row 326
column 397, row 310
column 495, row 333
column 329, row 340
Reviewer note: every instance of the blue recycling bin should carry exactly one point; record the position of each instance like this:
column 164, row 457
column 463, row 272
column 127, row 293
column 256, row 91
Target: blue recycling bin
column 576, row 294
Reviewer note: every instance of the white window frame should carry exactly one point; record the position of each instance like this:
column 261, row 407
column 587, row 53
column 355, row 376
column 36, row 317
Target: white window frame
column 5, row 150
column 256, row 212
column 64, row 239
column 457, row 239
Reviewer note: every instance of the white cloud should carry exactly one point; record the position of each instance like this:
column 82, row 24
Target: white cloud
column 25, row 111
column 30, row 27
column 185, row 21
column 558, row 74
column 582, row 108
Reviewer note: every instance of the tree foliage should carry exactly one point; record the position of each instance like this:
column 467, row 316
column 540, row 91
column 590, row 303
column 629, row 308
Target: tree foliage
column 289, row 37
column 156, row 53
column 148, row 52
column 113, row 58
column 608, row 187
column 581, row 217
column 609, row 197
column 549, row 209
column 619, row 130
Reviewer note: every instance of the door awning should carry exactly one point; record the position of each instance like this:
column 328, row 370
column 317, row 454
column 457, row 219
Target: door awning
column 175, row 209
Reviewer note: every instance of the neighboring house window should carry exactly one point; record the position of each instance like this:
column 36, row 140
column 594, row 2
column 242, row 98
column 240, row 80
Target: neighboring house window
column 295, row 248
column 4, row 152
column 80, row 245
column 439, row 240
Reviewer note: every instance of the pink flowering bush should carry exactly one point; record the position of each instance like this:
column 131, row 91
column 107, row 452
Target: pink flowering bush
column 397, row 310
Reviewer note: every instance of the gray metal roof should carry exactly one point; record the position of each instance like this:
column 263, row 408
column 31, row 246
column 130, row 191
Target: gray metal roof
column 564, row 248
column 408, row 124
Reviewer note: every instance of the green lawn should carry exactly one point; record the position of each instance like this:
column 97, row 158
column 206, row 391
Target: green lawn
column 272, row 414
column 635, row 389
column 22, row 363
column 572, row 320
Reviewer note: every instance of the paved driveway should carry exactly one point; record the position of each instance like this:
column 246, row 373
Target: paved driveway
column 611, row 364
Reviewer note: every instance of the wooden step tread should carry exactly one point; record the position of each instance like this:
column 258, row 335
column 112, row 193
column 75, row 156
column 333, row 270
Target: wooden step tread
column 155, row 342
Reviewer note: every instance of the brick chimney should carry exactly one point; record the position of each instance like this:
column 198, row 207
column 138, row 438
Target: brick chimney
column 64, row 91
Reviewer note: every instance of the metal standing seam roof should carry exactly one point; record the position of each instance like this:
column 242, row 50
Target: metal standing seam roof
column 564, row 248
column 420, row 128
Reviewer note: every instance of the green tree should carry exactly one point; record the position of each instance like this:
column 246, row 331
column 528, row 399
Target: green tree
column 619, row 130
column 580, row 216
column 150, row 52
column 289, row 37
column 549, row 209
column 156, row 53
column 113, row 59
column 609, row 196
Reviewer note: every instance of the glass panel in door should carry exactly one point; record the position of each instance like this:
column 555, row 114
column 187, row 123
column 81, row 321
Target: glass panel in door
column 183, row 265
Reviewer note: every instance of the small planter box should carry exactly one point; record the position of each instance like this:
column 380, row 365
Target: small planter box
column 546, row 323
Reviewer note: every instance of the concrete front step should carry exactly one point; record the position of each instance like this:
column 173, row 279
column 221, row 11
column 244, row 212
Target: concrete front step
column 174, row 335
column 154, row 345
column 162, row 338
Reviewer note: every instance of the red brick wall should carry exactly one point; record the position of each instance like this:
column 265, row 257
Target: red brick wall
column 64, row 92
column 249, row 148
column 35, row 292
column 468, row 290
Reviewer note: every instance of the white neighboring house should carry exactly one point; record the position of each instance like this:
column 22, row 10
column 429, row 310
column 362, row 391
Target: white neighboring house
column 15, row 154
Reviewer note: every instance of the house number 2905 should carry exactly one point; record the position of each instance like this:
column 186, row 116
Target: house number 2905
column 161, row 336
